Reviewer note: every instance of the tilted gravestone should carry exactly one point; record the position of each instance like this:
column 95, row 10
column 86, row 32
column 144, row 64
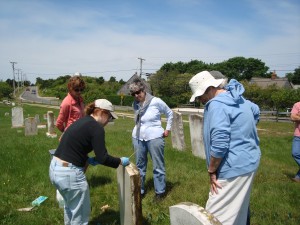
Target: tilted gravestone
column 196, row 131
column 50, row 122
column 17, row 117
column 30, row 126
column 177, row 133
column 187, row 213
column 129, row 185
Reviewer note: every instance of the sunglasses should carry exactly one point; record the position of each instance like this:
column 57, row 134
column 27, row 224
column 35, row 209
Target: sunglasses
column 110, row 117
column 136, row 93
column 78, row 89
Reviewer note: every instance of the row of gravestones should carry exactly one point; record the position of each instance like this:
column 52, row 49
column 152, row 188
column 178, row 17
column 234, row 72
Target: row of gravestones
column 196, row 133
column 31, row 124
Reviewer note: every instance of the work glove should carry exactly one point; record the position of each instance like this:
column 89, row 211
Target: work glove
column 92, row 161
column 125, row 161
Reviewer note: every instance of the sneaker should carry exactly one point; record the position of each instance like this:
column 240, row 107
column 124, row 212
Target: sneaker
column 296, row 179
column 159, row 197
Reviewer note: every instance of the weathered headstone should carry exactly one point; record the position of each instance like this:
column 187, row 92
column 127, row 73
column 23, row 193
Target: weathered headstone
column 30, row 126
column 177, row 133
column 129, row 185
column 17, row 117
column 37, row 118
column 196, row 131
column 50, row 122
column 187, row 213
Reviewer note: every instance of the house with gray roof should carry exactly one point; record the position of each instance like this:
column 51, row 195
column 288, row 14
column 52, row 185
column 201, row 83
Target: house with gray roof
column 281, row 82
column 125, row 88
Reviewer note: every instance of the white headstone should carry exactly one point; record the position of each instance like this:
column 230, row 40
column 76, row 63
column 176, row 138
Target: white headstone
column 50, row 122
column 177, row 133
column 129, row 185
column 17, row 117
column 187, row 213
column 196, row 131
column 30, row 126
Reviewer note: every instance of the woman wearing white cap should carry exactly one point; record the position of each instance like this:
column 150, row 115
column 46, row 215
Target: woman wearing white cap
column 67, row 168
column 231, row 145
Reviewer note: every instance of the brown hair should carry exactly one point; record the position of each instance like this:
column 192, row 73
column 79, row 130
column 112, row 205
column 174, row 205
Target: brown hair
column 76, row 82
column 91, row 109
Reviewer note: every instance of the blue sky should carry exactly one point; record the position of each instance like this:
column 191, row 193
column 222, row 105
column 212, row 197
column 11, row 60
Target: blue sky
column 50, row 38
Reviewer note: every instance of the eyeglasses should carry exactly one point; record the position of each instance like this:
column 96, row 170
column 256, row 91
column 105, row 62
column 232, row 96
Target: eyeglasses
column 110, row 117
column 78, row 89
column 136, row 93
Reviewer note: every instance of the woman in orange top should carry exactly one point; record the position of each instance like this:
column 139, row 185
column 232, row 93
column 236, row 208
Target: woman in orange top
column 72, row 107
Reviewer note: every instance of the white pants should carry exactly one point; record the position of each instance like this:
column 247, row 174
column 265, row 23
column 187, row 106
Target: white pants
column 231, row 204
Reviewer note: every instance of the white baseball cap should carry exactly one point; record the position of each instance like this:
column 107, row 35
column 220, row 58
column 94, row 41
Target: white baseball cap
column 105, row 104
column 201, row 81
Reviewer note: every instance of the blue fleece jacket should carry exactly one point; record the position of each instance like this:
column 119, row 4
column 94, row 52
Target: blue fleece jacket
column 230, row 132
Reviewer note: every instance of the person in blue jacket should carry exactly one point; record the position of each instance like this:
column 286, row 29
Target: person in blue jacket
column 231, row 145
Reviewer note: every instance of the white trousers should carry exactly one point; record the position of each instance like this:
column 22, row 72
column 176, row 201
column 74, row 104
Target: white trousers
column 231, row 204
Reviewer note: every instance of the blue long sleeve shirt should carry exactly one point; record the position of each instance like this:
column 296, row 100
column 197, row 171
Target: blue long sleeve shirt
column 230, row 132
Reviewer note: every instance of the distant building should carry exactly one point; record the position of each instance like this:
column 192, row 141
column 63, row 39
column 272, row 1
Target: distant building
column 274, row 80
column 125, row 88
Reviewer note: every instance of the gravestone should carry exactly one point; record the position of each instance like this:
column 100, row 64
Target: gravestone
column 177, row 133
column 187, row 213
column 129, row 186
column 50, row 122
column 37, row 118
column 30, row 126
column 17, row 117
column 196, row 132
column 6, row 114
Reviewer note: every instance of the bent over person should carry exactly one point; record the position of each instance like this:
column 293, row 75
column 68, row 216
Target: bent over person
column 67, row 168
column 231, row 145
column 148, row 136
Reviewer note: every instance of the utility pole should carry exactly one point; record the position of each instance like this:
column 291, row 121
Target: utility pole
column 14, row 85
column 18, row 83
column 141, row 64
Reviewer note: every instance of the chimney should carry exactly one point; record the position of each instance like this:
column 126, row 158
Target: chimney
column 274, row 75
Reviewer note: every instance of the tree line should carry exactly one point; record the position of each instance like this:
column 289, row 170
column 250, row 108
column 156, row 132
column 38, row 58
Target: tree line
column 170, row 83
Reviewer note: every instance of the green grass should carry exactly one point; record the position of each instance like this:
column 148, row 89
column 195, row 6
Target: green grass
column 24, row 163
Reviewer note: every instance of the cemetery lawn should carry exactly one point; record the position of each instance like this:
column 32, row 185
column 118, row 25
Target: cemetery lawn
column 275, row 199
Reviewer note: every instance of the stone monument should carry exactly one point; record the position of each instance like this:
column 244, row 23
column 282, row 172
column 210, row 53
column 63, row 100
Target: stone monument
column 187, row 213
column 177, row 133
column 129, row 185
column 17, row 117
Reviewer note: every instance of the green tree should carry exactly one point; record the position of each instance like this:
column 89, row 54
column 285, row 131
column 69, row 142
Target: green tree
column 5, row 90
column 241, row 68
column 294, row 78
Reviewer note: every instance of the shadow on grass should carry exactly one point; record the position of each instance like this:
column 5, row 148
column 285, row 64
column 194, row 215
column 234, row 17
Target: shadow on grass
column 95, row 181
column 111, row 217
column 149, row 185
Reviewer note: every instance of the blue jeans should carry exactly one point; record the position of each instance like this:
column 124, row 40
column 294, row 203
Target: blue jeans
column 155, row 148
column 71, row 183
column 296, row 153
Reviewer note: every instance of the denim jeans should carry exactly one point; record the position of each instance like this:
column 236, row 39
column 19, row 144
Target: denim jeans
column 71, row 183
column 155, row 148
column 296, row 153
